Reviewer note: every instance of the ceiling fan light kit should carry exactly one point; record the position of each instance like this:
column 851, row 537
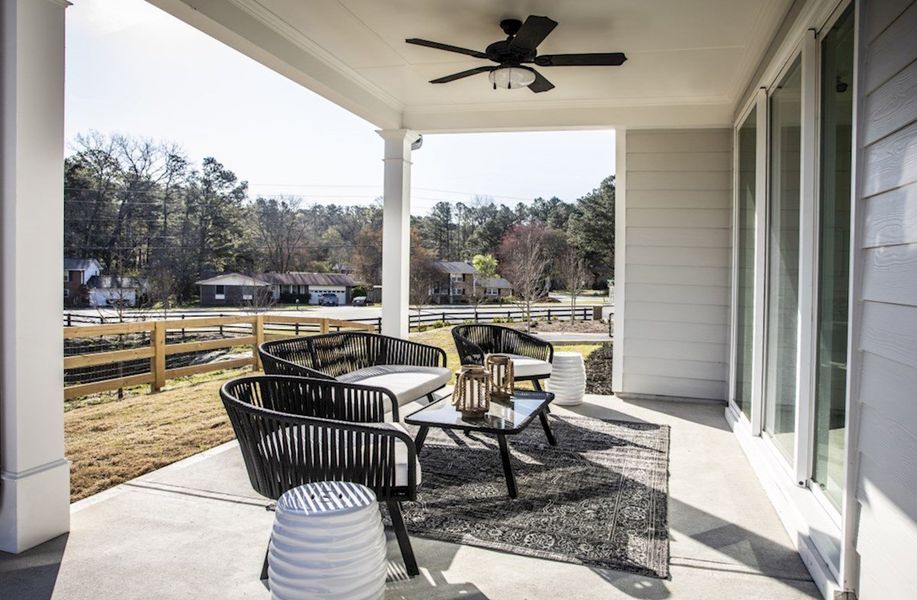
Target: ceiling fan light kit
column 521, row 46
column 512, row 78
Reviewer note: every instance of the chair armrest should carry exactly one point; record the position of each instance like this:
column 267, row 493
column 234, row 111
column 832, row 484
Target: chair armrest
column 524, row 344
column 404, row 352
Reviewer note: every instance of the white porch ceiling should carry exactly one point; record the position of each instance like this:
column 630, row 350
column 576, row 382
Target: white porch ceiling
column 688, row 60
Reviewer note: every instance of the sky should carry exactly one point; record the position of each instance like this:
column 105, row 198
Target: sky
column 135, row 70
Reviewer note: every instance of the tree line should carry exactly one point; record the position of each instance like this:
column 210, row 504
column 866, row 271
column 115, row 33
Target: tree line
column 143, row 208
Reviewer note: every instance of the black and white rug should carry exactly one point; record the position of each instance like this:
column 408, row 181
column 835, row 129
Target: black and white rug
column 598, row 498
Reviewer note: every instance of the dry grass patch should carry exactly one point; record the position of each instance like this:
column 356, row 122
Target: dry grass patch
column 442, row 338
column 117, row 441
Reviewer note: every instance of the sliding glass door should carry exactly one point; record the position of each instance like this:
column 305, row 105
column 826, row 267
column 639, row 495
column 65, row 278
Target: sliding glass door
column 833, row 256
column 745, row 262
column 785, row 107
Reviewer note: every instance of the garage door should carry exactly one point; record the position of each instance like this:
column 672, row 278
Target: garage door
column 317, row 291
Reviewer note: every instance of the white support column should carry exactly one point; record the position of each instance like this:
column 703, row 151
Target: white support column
column 396, row 231
column 34, row 475
column 617, row 360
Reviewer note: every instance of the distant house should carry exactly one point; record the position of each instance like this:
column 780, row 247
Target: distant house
column 460, row 282
column 109, row 290
column 309, row 287
column 77, row 272
column 234, row 289
column 495, row 287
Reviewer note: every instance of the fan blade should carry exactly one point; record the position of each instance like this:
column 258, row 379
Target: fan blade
column 446, row 47
column 463, row 74
column 533, row 32
column 599, row 59
column 541, row 84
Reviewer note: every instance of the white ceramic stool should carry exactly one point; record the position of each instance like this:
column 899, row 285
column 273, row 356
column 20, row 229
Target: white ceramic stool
column 327, row 543
column 568, row 378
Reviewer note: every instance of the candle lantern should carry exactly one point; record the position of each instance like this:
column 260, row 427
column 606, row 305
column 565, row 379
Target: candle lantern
column 500, row 370
column 472, row 391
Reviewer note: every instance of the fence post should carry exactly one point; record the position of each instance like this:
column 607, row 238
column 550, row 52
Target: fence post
column 259, row 338
column 159, row 356
column 324, row 325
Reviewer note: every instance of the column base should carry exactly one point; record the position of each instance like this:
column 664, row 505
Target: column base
column 34, row 505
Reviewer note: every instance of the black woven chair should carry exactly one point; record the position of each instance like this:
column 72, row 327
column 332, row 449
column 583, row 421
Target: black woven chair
column 474, row 342
column 341, row 355
column 294, row 430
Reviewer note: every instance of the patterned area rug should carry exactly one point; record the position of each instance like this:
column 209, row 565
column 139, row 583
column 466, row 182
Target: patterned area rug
column 598, row 498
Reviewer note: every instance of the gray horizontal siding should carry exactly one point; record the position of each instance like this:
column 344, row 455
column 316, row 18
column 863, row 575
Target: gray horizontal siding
column 678, row 250
column 886, row 485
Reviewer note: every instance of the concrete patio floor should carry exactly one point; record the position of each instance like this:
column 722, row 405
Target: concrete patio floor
column 195, row 529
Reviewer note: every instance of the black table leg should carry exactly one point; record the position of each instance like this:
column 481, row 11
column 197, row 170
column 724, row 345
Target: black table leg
column 507, row 467
column 421, row 436
column 547, row 428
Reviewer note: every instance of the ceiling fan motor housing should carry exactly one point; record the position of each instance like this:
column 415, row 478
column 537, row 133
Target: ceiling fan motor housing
column 503, row 53
column 510, row 26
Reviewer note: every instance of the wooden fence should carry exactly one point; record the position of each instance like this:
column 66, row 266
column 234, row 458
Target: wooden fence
column 153, row 341
column 448, row 315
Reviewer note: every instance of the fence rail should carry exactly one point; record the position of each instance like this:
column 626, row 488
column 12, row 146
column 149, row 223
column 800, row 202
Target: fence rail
column 104, row 356
column 429, row 315
column 491, row 315
column 145, row 346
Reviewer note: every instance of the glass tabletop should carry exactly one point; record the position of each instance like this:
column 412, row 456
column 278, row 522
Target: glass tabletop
column 510, row 416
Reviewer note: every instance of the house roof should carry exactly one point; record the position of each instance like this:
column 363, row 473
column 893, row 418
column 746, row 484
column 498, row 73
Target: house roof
column 80, row 264
column 232, row 279
column 446, row 266
column 113, row 282
column 303, row 278
column 494, row 282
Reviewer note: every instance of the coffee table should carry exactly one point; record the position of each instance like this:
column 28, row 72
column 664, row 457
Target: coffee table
column 505, row 418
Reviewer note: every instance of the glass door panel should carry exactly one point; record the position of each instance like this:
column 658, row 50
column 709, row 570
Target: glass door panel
column 833, row 256
column 745, row 267
column 783, row 261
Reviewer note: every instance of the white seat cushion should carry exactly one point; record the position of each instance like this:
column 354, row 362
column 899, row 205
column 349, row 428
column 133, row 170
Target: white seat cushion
column 407, row 382
column 401, row 459
column 524, row 366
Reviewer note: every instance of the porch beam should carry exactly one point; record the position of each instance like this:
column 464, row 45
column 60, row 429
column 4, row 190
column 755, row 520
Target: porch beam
column 34, row 475
column 396, row 230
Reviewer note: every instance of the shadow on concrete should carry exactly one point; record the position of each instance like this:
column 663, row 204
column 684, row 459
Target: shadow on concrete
column 711, row 414
column 434, row 558
column 33, row 573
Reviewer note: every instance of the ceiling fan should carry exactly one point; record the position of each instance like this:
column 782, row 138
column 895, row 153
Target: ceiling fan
column 518, row 49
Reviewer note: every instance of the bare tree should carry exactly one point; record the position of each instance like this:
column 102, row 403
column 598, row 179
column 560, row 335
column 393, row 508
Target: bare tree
column 577, row 276
column 280, row 231
column 423, row 274
column 485, row 267
column 525, row 263
column 257, row 298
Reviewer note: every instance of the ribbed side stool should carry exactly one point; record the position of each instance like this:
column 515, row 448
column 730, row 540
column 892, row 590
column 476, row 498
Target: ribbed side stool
column 327, row 543
column 568, row 378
